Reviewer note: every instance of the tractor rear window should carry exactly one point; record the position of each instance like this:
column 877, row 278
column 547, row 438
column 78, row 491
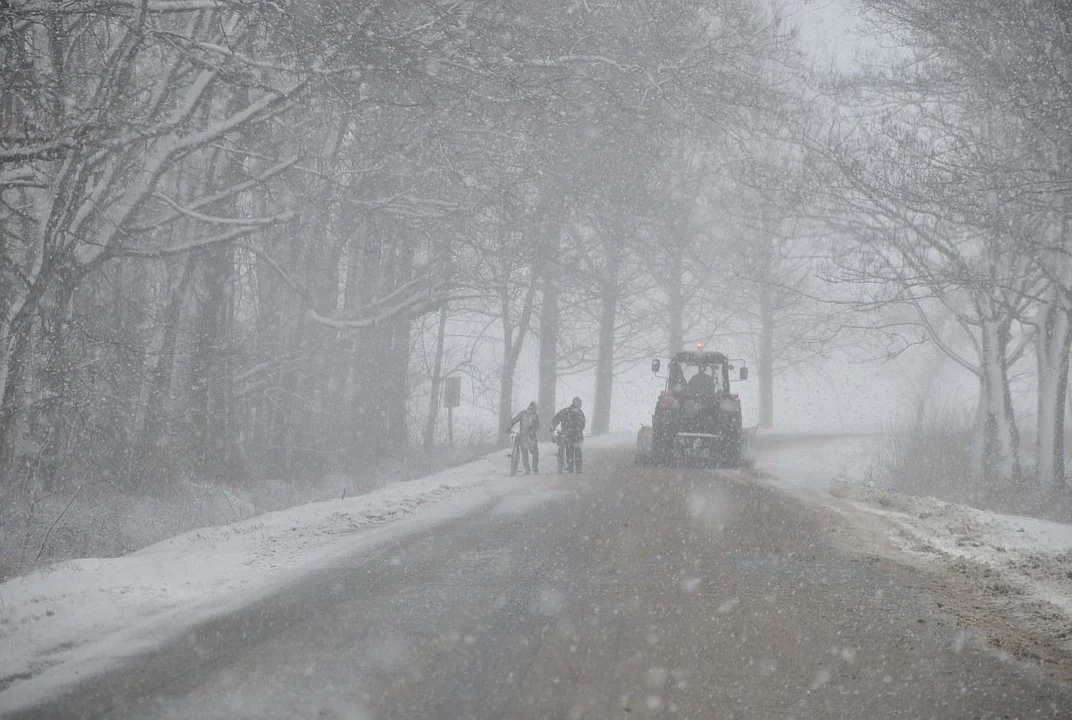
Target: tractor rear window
column 681, row 375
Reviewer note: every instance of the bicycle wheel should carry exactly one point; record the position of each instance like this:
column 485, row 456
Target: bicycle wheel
column 515, row 458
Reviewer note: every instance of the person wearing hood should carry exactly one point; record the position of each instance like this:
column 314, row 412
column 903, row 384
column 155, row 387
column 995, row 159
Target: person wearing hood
column 572, row 421
column 528, row 428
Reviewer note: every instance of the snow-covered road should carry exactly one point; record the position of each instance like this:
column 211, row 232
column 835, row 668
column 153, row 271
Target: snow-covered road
column 79, row 618
column 82, row 617
column 89, row 617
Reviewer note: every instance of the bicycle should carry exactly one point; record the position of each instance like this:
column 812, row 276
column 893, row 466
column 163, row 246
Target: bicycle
column 569, row 451
column 515, row 451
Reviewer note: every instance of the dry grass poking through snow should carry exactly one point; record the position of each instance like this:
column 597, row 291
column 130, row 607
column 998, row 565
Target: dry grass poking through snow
column 931, row 456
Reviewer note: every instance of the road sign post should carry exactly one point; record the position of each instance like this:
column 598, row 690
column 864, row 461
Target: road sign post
column 452, row 398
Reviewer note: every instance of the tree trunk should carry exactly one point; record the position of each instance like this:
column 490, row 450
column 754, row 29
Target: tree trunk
column 506, row 401
column 11, row 360
column 676, row 304
column 765, row 361
column 506, row 373
column 437, row 380
column 54, row 415
column 397, row 360
column 368, row 415
column 269, row 352
column 548, row 351
column 552, row 211
column 512, row 351
column 924, row 388
column 369, row 277
column 1053, row 343
column 398, row 386
column 209, row 403
column 150, row 422
column 605, row 356
column 15, row 348
column 996, row 447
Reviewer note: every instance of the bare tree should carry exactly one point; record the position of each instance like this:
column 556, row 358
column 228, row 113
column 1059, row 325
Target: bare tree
column 1004, row 101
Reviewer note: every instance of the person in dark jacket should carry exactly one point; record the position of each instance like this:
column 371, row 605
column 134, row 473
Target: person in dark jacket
column 528, row 427
column 572, row 422
column 702, row 383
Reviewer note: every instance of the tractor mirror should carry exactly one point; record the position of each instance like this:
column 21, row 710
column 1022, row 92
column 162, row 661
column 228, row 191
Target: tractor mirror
column 655, row 365
column 744, row 373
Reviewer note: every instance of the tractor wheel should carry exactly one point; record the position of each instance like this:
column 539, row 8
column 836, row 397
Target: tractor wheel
column 731, row 454
column 662, row 452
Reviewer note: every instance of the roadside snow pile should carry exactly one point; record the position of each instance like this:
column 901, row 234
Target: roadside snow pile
column 1035, row 555
column 77, row 617
column 1025, row 555
column 1007, row 576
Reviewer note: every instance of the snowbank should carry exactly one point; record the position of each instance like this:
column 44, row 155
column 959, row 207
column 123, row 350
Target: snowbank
column 1027, row 557
column 80, row 617
column 1009, row 575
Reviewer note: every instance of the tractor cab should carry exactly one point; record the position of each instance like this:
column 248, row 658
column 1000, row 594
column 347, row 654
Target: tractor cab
column 697, row 373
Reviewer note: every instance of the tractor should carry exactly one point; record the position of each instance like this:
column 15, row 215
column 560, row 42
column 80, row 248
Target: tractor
column 696, row 418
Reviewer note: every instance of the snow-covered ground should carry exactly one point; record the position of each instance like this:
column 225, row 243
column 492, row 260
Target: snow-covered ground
column 79, row 617
column 1009, row 575
column 1027, row 557
column 1033, row 556
column 1036, row 554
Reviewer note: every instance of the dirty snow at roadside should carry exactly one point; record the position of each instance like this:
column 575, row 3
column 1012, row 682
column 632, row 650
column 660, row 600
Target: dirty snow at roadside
column 1032, row 558
column 62, row 623
column 1023, row 557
